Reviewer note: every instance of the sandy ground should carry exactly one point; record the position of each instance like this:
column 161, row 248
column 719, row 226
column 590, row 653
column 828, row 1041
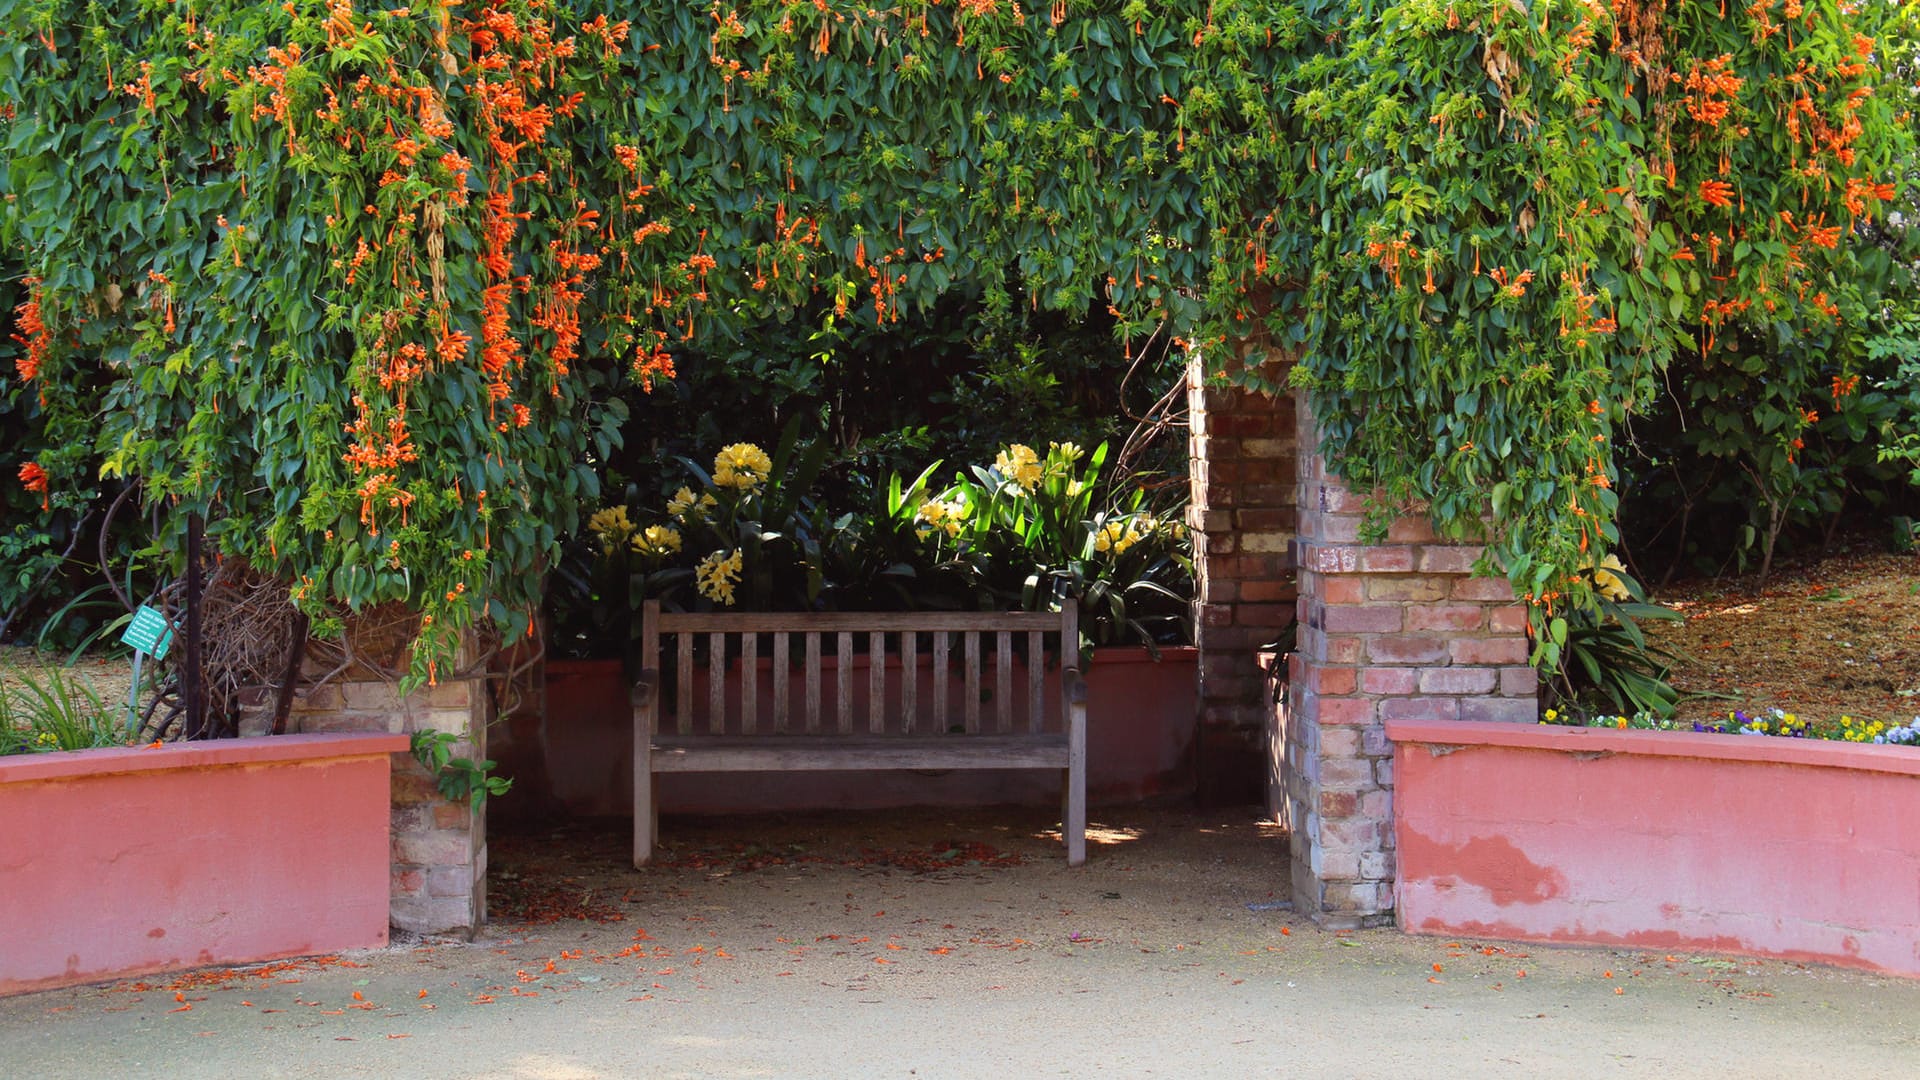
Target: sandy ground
column 958, row 944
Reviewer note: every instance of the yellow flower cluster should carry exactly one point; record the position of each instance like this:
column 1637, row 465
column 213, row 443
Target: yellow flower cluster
column 1853, row 730
column 683, row 504
column 717, row 574
column 1607, row 579
column 657, row 540
column 611, row 526
column 1118, row 536
column 945, row 516
column 742, row 466
column 1020, row 465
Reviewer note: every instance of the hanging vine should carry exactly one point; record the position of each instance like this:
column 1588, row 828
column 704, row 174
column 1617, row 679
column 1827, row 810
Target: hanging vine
column 355, row 280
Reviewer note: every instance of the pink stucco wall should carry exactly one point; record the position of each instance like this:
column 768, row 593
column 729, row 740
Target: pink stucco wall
column 129, row 861
column 1788, row 848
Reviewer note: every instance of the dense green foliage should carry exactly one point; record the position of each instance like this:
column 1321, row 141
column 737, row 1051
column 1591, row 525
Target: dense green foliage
column 358, row 283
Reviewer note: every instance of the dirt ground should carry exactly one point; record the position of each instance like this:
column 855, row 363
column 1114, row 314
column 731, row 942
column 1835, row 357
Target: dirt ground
column 1839, row 636
column 957, row 944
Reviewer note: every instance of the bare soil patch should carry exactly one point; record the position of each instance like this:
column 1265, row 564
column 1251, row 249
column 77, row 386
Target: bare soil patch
column 1839, row 636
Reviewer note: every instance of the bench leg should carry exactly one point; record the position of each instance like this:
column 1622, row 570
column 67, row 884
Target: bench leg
column 646, row 822
column 1073, row 811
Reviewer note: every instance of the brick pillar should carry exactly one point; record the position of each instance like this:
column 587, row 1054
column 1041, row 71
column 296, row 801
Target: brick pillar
column 439, row 847
column 1399, row 629
column 1242, row 518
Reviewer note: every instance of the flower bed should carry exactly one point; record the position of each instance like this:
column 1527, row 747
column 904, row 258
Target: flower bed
column 1783, row 847
column 133, row 860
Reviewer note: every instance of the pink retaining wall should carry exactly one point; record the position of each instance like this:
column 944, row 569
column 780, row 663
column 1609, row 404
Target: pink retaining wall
column 1796, row 849
column 122, row 862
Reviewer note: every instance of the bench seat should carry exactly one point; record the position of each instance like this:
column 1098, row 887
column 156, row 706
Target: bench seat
column 742, row 693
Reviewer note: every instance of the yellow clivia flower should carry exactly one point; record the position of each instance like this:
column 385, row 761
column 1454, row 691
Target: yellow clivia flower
column 742, row 466
column 717, row 574
column 1607, row 579
column 657, row 540
column 1020, row 465
column 611, row 526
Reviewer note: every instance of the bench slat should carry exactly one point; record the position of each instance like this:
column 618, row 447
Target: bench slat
column 813, row 681
column 716, row 683
column 940, row 644
column 683, row 694
column 876, row 682
column 765, row 621
column 782, row 678
column 750, row 683
column 1003, row 681
column 770, row 753
column 843, row 681
column 909, row 679
column 973, row 682
column 1036, row 681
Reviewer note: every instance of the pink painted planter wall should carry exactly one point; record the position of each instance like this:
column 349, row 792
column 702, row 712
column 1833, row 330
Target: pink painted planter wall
column 1795, row 849
column 1142, row 716
column 123, row 862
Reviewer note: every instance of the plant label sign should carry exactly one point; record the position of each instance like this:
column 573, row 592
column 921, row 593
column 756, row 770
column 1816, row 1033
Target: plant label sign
column 149, row 632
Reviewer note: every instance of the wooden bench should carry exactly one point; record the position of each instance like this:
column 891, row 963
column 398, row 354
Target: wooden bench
column 977, row 721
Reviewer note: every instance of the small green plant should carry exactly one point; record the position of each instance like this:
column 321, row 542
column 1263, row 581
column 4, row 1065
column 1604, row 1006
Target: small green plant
column 61, row 713
column 458, row 778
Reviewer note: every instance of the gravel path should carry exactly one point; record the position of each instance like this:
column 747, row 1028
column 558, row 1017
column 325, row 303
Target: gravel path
column 958, row 944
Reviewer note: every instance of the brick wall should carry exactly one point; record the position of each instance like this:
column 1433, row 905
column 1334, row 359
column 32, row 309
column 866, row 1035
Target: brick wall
column 1242, row 517
column 1386, row 631
column 439, row 847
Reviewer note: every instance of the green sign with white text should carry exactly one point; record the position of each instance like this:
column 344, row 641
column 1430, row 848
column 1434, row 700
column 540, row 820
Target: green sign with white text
column 149, row 632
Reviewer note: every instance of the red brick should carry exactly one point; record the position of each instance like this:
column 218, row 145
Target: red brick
column 1495, row 589
column 1407, row 587
column 1387, row 560
column 1449, row 558
column 1273, row 615
column 1407, row 649
column 1270, row 591
column 1216, row 615
column 1421, row 708
column 1445, row 617
column 1282, row 493
column 1459, row 680
column 1343, row 648
column 1330, row 559
column 1411, row 530
column 1343, row 590
column 1500, row 710
column 1272, row 519
column 407, row 882
column 1339, row 804
column 1242, row 422
column 1215, row 590
column 1339, row 529
column 1345, row 711
column 1508, row 619
column 1501, row 650
column 1519, row 682
column 451, row 815
column 1339, row 741
column 1334, row 498
column 1366, row 619
column 1389, row 680
column 1335, row 680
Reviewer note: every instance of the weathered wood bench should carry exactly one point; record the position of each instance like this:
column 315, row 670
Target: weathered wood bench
column 978, row 721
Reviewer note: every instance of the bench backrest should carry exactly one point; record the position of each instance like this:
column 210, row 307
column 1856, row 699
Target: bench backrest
column 910, row 683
